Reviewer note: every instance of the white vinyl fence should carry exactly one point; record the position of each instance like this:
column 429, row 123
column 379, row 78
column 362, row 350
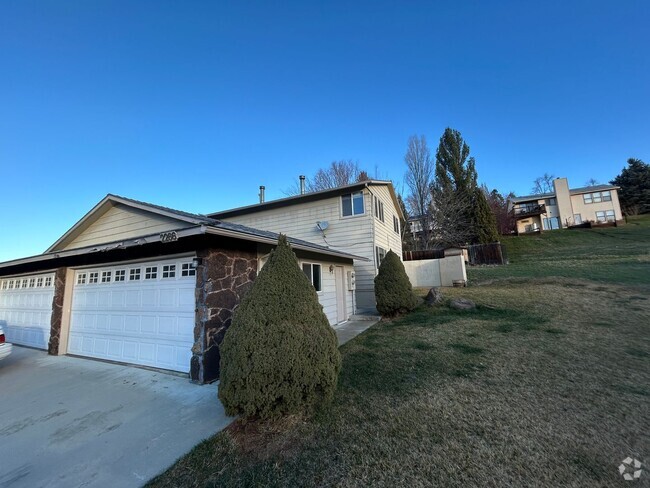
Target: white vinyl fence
column 436, row 272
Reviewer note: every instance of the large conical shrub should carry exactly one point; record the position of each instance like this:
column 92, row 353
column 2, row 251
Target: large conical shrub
column 393, row 290
column 280, row 354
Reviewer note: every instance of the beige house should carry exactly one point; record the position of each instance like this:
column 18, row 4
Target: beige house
column 362, row 218
column 566, row 207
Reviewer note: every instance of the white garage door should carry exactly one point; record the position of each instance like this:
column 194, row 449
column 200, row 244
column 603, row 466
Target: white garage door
column 140, row 313
column 26, row 309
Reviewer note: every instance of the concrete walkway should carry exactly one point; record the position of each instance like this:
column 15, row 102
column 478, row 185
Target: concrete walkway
column 352, row 328
column 70, row 422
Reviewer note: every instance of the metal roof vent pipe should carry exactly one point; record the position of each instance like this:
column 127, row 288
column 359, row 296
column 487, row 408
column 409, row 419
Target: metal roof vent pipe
column 262, row 188
column 302, row 184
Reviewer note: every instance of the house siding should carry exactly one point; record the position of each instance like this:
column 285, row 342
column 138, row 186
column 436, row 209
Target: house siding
column 120, row 222
column 352, row 234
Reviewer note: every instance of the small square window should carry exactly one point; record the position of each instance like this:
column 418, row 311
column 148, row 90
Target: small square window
column 352, row 204
column 120, row 275
column 587, row 198
column 39, row 282
column 93, row 277
column 32, row 282
column 11, row 284
column 81, row 279
column 169, row 271
column 187, row 270
column 24, row 285
column 134, row 274
column 150, row 272
column 48, row 281
column 106, row 276
column 607, row 196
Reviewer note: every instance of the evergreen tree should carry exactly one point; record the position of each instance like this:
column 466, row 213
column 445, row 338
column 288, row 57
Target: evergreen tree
column 634, row 181
column 280, row 354
column 393, row 289
column 456, row 175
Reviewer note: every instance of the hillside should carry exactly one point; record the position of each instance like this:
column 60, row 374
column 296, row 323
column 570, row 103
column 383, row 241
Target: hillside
column 613, row 254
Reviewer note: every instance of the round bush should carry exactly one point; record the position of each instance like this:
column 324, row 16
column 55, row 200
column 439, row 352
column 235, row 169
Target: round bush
column 393, row 290
column 280, row 354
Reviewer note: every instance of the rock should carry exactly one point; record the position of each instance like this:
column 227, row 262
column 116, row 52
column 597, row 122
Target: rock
column 434, row 297
column 462, row 304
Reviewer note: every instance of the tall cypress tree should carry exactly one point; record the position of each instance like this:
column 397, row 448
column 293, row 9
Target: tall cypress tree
column 456, row 174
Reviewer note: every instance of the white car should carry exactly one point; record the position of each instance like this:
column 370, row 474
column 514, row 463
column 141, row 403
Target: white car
column 5, row 347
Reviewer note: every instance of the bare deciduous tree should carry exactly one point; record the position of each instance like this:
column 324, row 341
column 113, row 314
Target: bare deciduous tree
column 338, row 173
column 592, row 182
column 418, row 178
column 543, row 184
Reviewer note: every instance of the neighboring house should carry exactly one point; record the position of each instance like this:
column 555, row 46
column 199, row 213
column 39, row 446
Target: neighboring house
column 138, row 283
column 363, row 218
column 565, row 207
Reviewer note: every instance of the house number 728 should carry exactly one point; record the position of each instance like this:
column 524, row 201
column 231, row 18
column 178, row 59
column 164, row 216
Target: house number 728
column 168, row 236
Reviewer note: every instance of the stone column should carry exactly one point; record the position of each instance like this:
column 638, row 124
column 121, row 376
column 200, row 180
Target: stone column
column 57, row 311
column 223, row 278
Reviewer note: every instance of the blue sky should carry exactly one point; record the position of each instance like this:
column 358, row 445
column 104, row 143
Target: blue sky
column 194, row 105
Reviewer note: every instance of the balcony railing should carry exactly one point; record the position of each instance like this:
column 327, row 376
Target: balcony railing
column 529, row 210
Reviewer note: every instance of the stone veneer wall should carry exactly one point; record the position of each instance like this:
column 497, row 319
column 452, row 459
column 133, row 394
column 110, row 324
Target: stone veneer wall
column 57, row 311
column 223, row 278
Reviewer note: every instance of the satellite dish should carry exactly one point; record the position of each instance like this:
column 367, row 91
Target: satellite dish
column 323, row 225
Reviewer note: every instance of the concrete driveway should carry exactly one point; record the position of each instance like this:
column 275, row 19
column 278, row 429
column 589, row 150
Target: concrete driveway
column 68, row 422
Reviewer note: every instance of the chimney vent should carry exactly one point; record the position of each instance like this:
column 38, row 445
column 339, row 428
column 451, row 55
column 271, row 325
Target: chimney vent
column 302, row 184
column 262, row 188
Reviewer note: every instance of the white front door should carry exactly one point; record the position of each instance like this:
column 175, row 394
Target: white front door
column 140, row 313
column 26, row 309
column 341, row 310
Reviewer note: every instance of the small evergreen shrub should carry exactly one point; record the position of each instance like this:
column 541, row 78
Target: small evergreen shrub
column 280, row 355
column 393, row 290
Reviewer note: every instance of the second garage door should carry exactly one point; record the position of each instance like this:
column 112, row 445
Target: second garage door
column 26, row 309
column 140, row 313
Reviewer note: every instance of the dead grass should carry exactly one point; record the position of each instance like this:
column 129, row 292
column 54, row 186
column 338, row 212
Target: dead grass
column 545, row 384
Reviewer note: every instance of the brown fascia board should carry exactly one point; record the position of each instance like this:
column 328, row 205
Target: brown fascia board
column 307, row 197
column 108, row 246
column 294, row 243
column 181, row 233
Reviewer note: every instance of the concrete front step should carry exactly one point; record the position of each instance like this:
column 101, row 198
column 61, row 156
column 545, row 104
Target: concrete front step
column 364, row 317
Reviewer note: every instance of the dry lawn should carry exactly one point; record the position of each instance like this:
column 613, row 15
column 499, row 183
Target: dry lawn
column 546, row 384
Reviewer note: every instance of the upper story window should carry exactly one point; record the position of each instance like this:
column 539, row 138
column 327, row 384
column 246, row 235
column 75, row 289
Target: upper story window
column 313, row 272
column 597, row 197
column 379, row 209
column 352, row 204
column 551, row 201
column 396, row 224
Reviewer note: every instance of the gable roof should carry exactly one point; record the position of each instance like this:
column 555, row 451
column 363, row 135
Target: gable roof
column 308, row 197
column 196, row 224
column 110, row 201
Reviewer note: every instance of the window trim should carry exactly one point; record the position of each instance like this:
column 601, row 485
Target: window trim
column 351, row 195
column 311, row 276
column 379, row 257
